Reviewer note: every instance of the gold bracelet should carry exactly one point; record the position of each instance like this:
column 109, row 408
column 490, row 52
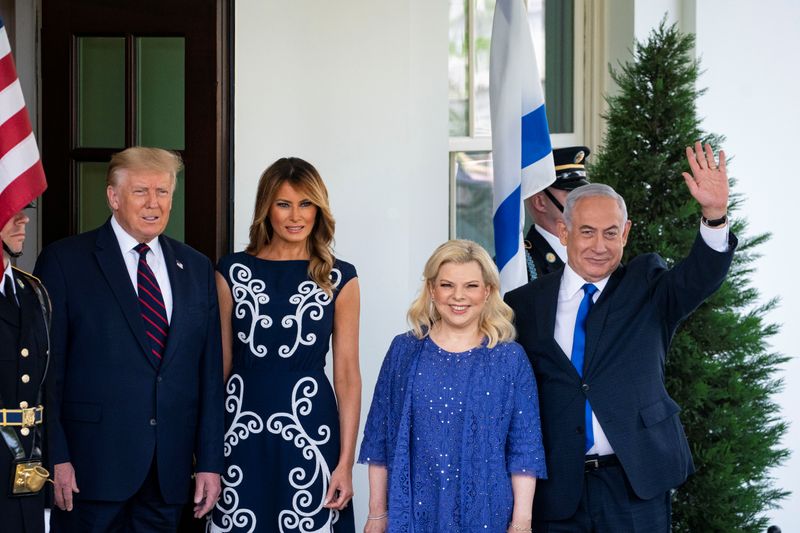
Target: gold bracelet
column 379, row 517
column 515, row 527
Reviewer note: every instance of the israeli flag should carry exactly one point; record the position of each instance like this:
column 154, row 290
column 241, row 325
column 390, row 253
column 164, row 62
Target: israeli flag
column 522, row 154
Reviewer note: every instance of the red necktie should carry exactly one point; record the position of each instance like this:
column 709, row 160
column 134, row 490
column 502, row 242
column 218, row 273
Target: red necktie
column 151, row 304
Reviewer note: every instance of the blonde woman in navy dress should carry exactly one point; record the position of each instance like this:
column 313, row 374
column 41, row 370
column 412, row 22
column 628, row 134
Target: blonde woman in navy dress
column 284, row 301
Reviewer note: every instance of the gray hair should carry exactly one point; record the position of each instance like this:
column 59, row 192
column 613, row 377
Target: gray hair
column 589, row 191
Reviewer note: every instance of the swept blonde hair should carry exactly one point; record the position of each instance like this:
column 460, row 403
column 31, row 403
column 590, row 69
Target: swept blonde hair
column 143, row 158
column 495, row 320
column 304, row 178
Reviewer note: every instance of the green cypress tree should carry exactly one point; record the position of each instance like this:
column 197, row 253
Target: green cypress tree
column 720, row 368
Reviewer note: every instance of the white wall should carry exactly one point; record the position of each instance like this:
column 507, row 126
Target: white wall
column 649, row 14
column 358, row 88
column 749, row 53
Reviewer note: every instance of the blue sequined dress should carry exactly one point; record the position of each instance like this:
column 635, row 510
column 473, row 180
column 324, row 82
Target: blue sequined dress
column 282, row 438
column 451, row 429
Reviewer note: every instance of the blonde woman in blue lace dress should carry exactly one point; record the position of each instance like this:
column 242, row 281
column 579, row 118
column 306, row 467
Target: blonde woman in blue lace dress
column 453, row 439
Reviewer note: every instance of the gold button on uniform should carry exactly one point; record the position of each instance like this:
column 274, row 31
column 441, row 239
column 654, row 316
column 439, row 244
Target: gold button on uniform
column 25, row 432
column 23, row 404
column 25, row 378
column 24, row 352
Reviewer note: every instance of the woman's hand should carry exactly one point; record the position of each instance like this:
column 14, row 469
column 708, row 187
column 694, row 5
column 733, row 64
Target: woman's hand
column 378, row 481
column 347, row 386
column 376, row 526
column 523, row 487
column 521, row 526
column 340, row 490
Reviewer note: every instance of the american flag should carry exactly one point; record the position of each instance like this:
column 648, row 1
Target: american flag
column 21, row 173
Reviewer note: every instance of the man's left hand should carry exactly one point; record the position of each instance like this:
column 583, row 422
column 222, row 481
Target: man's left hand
column 207, row 488
column 708, row 183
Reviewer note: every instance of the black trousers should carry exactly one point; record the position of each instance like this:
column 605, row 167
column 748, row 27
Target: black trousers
column 21, row 514
column 609, row 505
column 145, row 512
column 188, row 523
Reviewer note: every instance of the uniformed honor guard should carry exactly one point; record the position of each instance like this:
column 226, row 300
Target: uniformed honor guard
column 544, row 253
column 24, row 320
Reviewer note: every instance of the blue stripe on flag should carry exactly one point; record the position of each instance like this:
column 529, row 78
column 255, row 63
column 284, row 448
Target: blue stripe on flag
column 535, row 136
column 506, row 228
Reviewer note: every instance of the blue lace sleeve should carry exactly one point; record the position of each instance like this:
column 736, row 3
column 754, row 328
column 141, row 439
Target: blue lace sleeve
column 376, row 430
column 524, row 447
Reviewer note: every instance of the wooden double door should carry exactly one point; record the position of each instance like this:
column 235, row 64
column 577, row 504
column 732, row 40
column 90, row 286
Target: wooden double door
column 119, row 73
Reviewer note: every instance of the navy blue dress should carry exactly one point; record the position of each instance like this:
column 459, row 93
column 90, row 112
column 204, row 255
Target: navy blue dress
column 282, row 438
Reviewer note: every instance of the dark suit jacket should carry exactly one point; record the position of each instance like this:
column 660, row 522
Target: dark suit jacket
column 628, row 333
column 537, row 247
column 111, row 409
column 22, row 331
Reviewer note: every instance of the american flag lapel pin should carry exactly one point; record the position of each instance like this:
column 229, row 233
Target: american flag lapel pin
column 180, row 265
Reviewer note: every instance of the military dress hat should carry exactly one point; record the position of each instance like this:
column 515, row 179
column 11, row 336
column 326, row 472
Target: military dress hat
column 570, row 165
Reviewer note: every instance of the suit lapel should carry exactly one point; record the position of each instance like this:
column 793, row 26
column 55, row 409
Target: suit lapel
column 547, row 304
column 178, row 285
column 595, row 322
column 548, row 295
column 109, row 259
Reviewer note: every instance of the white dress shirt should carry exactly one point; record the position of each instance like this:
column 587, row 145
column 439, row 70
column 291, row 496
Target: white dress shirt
column 154, row 258
column 554, row 242
column 8, row 273
column 569, row 299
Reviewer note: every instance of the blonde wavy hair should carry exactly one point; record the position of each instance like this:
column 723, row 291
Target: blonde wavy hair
column 304, row 178
column 495, row 322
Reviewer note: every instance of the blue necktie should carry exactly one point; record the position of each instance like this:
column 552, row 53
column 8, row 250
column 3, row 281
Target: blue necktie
column 151, row 306
column 578, row 349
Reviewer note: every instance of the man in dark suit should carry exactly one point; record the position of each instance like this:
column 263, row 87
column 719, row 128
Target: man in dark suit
column 24, row 315
column 135, row 393
column 597, row 334
column 544, row 253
